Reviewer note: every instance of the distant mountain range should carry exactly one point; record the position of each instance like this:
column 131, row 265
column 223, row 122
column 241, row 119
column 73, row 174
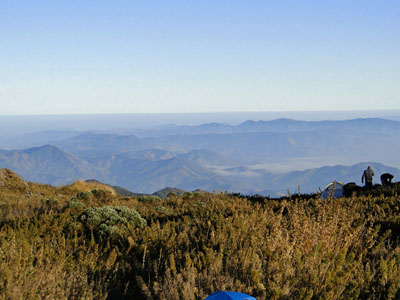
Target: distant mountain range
column 277, row 125
column 252, row 157
column 302, row 143
column 49, row 164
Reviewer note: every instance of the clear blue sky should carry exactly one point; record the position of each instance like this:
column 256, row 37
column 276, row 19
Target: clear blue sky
column 198, row 56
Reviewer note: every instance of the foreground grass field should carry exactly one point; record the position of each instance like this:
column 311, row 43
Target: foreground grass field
column 85, row 242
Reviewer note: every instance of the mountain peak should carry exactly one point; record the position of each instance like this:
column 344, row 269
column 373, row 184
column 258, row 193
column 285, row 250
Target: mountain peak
column 44, row 148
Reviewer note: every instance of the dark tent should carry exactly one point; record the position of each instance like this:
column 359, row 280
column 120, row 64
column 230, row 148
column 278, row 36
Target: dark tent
column 229, row 296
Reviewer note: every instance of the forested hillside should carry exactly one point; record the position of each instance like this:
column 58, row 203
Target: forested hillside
column 83, row 241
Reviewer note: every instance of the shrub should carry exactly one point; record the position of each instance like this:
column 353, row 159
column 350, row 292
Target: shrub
column 84, row 195
column 188, row 195
column 162, row 209
column 75, row 204
column 149, row 199
column 103, row 196
column 108, row 220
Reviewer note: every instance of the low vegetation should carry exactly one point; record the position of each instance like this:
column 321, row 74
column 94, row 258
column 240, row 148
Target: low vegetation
column 86, row 242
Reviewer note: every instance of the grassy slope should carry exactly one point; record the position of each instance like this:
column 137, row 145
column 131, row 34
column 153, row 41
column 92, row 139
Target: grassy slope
column 195, row 244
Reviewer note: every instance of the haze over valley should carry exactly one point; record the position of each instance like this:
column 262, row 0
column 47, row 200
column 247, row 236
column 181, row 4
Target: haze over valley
column 266, row 157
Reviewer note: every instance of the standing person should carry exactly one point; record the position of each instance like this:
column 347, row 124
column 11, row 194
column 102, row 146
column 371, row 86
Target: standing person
column 367, row 176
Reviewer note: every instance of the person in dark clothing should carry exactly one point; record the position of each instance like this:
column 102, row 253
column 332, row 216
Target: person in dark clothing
column 367, row 176
column 386, row 179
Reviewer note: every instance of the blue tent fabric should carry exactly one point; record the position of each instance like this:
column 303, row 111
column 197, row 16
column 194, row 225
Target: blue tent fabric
column 229, row 296
column 334, row 190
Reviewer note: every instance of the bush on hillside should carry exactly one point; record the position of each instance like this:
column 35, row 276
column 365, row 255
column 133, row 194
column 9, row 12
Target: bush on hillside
column 75, row 204
column 187, row 195
column 102, row 196
column 84, row 195
column 162, row 209
column 149, row 199
column 109, row 220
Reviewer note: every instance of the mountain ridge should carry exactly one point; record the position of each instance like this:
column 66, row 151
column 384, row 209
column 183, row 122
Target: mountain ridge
column 250, row 157
column 48, row 164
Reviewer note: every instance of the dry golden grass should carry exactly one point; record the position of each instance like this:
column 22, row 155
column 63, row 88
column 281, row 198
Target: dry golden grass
column 80, row 185
column 195, row 244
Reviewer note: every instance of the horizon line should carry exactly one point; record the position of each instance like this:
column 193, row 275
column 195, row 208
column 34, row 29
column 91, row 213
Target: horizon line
column 203, row 112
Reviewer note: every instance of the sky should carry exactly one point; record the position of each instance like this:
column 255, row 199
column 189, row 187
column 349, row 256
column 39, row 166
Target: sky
column 91, row 57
